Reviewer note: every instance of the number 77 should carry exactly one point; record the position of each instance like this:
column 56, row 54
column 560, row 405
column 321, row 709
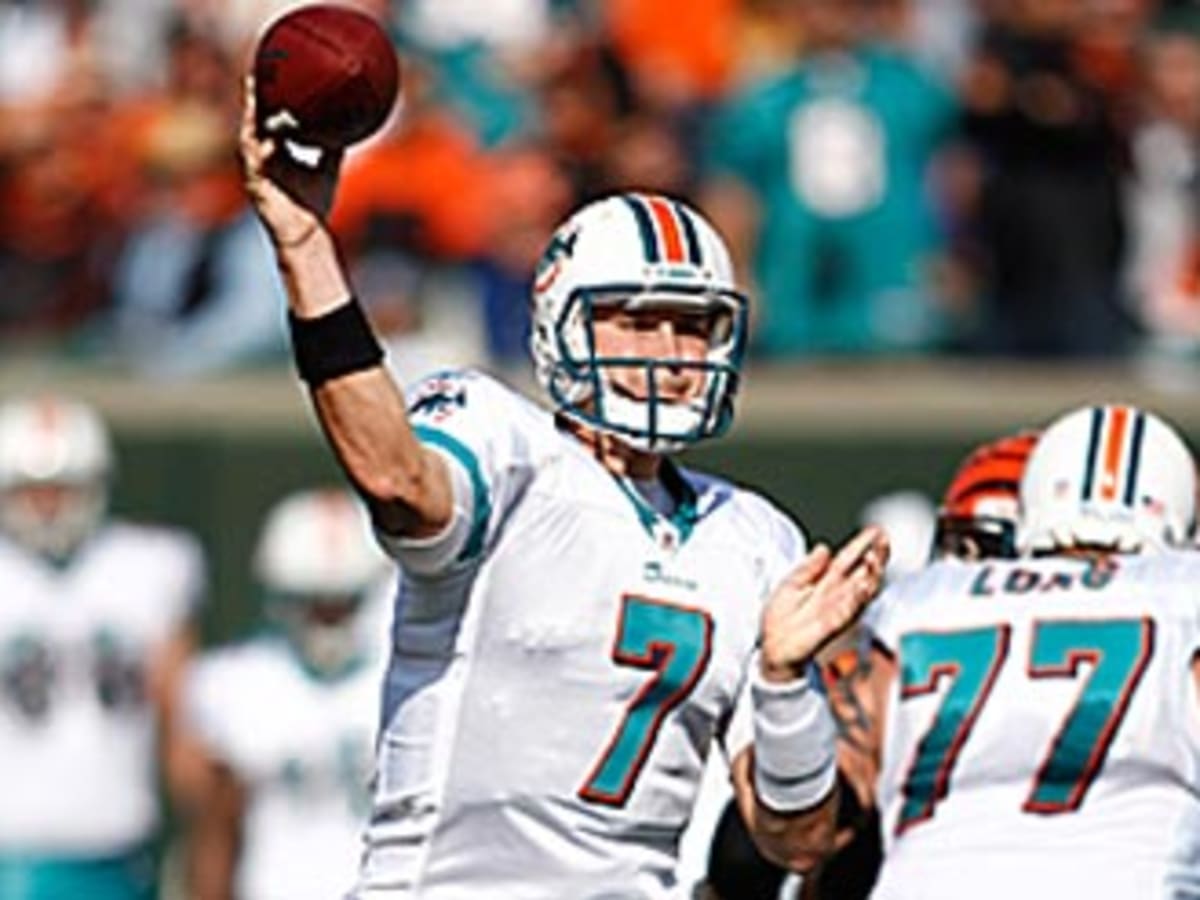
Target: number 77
column 1118, row 650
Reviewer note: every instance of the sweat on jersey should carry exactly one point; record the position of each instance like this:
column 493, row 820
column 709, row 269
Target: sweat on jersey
column 1042, row 737
column 562, row 658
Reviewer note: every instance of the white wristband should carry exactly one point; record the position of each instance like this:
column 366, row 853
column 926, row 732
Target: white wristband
column 795, row 762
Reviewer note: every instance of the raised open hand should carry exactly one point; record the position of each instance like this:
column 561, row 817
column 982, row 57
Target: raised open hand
column 819, row 600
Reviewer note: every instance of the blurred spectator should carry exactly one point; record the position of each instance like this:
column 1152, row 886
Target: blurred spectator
column 1164, row 193
column 649, row 155
column 675, row 61
column 534, row 195
column 1042, row 96
column 42, row 45
column 414, row 212
column 94, row 634
column 62, row 168
column 195, row 291
column 483, row 65
column 283, row 722
column 819, row 179
column 942, row 32
column 583, row 98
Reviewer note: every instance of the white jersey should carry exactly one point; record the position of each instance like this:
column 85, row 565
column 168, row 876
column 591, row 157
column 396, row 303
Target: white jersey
column 1043, row 734
column 301, row 747
column 78, row 764
column 562, row 658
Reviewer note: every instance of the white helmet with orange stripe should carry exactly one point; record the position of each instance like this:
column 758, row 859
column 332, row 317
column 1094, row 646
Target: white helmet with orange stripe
column 1108, row 476
column 638, row 252
column 316, row 561
column 55, row 461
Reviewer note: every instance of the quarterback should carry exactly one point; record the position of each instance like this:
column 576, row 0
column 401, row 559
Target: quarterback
column 579, row 619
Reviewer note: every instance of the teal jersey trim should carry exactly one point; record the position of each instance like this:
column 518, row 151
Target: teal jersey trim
column 683, row 518
column 647, row 515
column 479, row 490
column 128, row 876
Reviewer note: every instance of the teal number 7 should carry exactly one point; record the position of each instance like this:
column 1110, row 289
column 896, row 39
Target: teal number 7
column 971, row 660
column 1117, row 649
column 675, row 642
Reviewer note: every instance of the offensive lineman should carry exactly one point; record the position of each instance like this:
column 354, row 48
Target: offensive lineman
column 286, row 718
column 976, row 519
column 1042, row 730
column 578, row 617
column 94, row 634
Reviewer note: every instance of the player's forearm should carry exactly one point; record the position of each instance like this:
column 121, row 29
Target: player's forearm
column 211, row 871
column 787, row 777
column 797, row 840
column 214, row 838
column 312, row 274
column 361, row 410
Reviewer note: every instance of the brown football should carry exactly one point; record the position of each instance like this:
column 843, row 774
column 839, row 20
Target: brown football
column 325, row 74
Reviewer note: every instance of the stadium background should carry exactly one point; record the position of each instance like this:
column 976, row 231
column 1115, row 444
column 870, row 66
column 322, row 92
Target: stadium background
column 1042, row 227
column 822, row 439
column 970, row 215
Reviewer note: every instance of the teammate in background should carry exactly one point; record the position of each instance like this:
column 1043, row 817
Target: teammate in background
column 976, row 519
column 978, row 516
column 1041, row 724
column 286, row 719
column 94, row 634
column 578, row 618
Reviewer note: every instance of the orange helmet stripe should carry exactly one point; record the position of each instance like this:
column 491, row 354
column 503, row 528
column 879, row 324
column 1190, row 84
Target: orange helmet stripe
column 668, row 228
column 1114, row 443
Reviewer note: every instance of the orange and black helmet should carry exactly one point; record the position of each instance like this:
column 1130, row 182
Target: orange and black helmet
column 978, row 515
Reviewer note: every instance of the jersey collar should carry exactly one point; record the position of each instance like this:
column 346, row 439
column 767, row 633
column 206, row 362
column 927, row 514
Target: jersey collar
column 669, row 532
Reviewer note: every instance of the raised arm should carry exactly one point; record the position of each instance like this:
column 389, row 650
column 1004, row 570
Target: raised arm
column 360, row 407
column 785, row 782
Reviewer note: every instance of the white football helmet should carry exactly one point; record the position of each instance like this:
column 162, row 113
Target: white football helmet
column 317, row 561
column 1108, row 476
column 55, row 462
column 638, row 251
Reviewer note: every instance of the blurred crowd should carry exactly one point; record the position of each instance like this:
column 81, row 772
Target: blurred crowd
column 1015, row 177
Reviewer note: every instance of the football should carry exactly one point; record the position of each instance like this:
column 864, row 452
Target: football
column 326, row 75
